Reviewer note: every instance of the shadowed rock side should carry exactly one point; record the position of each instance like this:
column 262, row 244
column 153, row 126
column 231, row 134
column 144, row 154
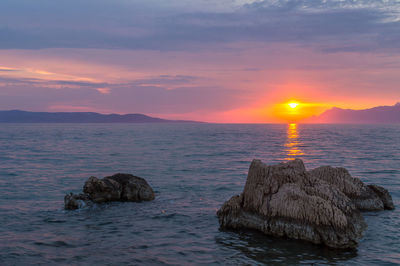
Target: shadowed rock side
column 321, row 206
column 119, row 187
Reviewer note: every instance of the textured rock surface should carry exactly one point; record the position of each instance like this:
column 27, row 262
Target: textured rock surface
column 321, row 206
column 366, row 198
column 76, row 201
column 384, row 195
column 119, row 187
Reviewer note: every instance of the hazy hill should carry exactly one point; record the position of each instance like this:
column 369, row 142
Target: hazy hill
column 376, row 115
column 17, row 116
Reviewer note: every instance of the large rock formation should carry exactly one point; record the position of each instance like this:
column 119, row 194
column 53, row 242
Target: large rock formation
column 321, row 206
column 119, row 187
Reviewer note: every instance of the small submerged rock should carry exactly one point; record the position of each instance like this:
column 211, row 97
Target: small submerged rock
column 119, row 187
column 321, row 206
column 76, row 201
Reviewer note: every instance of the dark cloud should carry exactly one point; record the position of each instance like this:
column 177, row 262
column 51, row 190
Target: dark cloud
column 326, row 25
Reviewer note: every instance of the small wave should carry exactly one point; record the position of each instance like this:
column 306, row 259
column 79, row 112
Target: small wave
column 140, row 247
column 382, row 172
column 50, row 220
column 56, row 244
column 105, row 223
column 222, row 189
column 164, row 215
column 12, row 174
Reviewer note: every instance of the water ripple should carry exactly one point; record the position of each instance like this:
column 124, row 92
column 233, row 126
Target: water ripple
column 193, row 170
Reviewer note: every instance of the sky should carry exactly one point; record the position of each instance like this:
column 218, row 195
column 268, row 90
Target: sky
column 234, row 61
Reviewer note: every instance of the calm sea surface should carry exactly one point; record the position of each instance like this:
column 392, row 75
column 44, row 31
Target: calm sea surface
column 193, row 169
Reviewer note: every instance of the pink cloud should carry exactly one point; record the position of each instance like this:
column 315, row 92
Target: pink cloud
column 104, row 90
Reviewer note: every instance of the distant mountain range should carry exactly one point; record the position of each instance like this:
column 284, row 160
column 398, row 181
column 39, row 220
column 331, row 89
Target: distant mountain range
column 376, row 115
column 18, row 116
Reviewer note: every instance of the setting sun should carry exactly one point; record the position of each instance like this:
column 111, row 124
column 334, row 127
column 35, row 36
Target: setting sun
column 294, row 111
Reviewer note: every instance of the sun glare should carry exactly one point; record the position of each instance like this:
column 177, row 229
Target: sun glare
column 295, row 110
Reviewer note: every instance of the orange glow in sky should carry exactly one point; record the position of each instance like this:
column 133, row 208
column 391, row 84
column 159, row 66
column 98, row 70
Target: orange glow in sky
column 295, row 111
column 190, row 90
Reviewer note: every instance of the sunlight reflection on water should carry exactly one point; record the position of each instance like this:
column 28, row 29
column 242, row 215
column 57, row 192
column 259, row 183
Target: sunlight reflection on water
column 293, row 143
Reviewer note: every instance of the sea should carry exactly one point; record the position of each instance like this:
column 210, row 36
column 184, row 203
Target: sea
column 193, row 169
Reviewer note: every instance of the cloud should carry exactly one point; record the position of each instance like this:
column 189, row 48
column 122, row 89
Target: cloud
column 175, row 25
column 153, row 94
column 125, row 98
column 195, row 57
column 168, row 82
column 41, row 78
column 104, row 90
column 7, row 69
